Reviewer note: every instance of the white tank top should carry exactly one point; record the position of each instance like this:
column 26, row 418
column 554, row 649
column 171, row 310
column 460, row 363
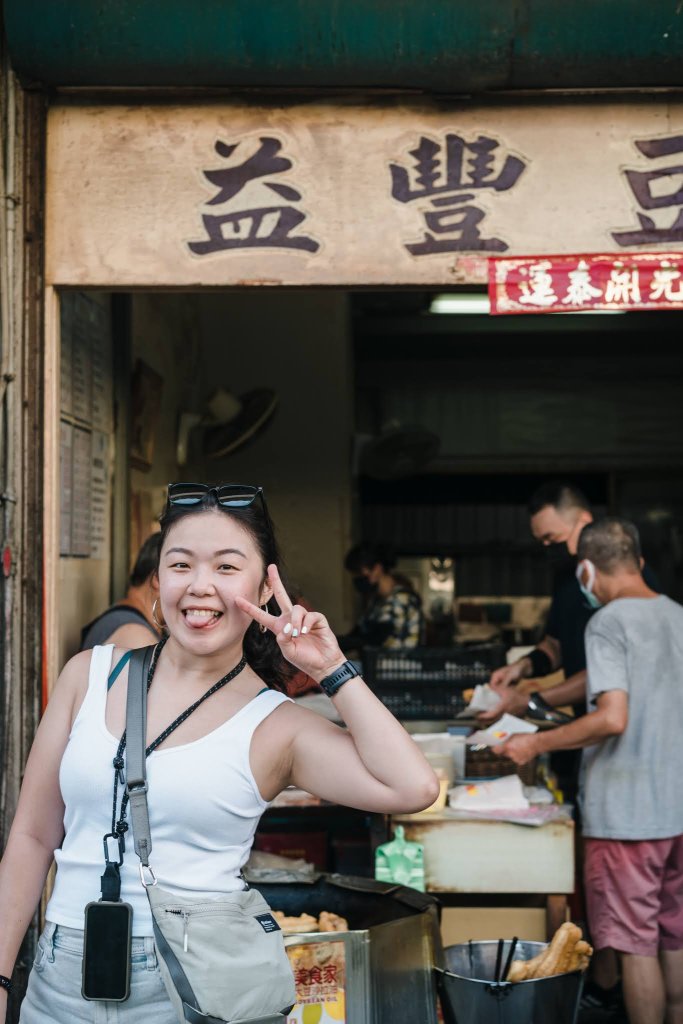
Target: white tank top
column 204, row 806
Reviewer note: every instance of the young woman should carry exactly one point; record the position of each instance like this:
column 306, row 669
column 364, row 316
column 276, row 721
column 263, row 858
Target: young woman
column 222, row 600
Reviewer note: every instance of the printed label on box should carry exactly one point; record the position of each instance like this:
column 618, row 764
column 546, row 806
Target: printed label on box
column 320, row 976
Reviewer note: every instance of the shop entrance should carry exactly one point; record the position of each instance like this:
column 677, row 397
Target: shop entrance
column 366, row 416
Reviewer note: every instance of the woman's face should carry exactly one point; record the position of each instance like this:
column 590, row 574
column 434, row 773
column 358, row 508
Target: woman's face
column 206, row 561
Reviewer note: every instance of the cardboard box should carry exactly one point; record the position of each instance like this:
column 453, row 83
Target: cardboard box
column 458, row 924
column 312, row 846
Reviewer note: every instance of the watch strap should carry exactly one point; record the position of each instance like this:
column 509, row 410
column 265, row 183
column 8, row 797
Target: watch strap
column 333, row 683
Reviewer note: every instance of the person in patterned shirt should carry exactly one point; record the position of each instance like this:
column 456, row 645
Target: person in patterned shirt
column 393, row 614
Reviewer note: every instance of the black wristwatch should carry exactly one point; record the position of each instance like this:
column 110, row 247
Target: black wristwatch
column 333, row 683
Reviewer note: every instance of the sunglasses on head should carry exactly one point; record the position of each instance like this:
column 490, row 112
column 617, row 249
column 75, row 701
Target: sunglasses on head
column 227, row 495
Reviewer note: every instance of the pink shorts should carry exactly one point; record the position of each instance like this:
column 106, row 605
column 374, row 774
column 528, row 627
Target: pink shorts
column 634, row 894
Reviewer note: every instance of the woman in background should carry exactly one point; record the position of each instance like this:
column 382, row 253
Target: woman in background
column 393, row 615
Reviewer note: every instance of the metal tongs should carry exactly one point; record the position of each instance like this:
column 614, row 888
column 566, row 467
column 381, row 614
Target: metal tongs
column 540, row 711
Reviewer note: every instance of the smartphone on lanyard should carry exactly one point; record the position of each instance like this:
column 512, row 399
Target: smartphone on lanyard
column 106, row 950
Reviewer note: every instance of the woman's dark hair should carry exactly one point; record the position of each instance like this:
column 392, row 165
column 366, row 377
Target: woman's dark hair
column 260, row 649
column 366, row 556
column 147, row 561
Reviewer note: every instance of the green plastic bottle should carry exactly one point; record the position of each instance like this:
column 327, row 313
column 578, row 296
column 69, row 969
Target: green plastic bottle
column 401, row 862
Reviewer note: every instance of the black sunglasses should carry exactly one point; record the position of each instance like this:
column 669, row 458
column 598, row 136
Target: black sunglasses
column 227, row 495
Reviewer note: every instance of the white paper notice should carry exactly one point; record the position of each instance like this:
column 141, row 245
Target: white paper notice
column 66, row 485
column 82, row 472
column 66, row 361
column 102, row 382
column 81, row 363
column 100, row 497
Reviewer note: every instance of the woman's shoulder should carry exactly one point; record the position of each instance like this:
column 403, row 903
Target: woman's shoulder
column 71, row 685
column 119, row 653
column 74, row 678
column 76, row 670
column 290, row 717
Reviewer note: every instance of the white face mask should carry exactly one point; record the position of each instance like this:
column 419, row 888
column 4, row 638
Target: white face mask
column 587, row 588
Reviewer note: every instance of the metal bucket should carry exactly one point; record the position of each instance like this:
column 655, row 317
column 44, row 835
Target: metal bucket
column 470, row 995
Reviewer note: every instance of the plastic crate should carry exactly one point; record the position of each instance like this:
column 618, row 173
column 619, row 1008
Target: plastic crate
column 428, row 682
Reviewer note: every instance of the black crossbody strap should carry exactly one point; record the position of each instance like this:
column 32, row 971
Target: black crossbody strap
column 136, row 768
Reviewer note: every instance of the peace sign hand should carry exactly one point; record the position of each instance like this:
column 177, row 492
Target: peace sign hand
column 304, row 637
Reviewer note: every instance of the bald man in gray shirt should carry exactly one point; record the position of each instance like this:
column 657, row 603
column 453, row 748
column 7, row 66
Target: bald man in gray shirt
column 632, row 785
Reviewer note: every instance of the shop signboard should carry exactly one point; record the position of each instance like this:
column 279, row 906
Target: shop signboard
column 382, row 192
column 569, row 284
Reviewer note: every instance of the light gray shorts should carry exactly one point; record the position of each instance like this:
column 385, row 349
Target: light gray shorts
column 54, row 985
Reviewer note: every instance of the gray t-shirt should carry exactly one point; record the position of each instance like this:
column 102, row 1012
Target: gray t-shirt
column 100, row 629
column 632, row 783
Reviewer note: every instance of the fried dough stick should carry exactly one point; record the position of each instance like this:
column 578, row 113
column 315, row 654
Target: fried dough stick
column 568, row 951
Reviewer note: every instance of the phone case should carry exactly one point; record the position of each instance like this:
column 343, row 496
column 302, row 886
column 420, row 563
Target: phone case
column 107, row 951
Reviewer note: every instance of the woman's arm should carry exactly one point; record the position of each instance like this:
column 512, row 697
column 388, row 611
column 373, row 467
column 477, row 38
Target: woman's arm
column 375, row 765
column 37, row 829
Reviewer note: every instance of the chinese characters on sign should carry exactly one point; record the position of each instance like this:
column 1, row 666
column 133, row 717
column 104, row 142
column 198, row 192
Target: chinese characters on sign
column 269, row 225
column 317, row 979
column 446, row 176
column 320, row 978
column 563, row 284
column 449, row 174
column 658, row 189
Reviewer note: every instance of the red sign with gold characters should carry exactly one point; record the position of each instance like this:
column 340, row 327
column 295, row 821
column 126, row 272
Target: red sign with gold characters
column 568, row 284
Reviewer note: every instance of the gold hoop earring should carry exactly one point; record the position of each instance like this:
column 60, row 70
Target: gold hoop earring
column 160, row 625
column 261, row 625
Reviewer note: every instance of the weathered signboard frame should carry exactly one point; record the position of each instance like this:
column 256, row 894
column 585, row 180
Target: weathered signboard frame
column 351, row 194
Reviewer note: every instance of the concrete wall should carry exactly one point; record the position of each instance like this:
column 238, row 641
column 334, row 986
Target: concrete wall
column 297, row 343
column 83, row 594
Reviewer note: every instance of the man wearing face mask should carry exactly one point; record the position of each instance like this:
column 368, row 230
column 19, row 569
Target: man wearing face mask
column 392, row 617
column 558, row 513
column 633, row 763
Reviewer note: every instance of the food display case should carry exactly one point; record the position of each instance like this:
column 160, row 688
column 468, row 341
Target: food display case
column 380, row 971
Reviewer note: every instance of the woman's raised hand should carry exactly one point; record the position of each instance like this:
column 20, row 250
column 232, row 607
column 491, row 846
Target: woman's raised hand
column 304, row 637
